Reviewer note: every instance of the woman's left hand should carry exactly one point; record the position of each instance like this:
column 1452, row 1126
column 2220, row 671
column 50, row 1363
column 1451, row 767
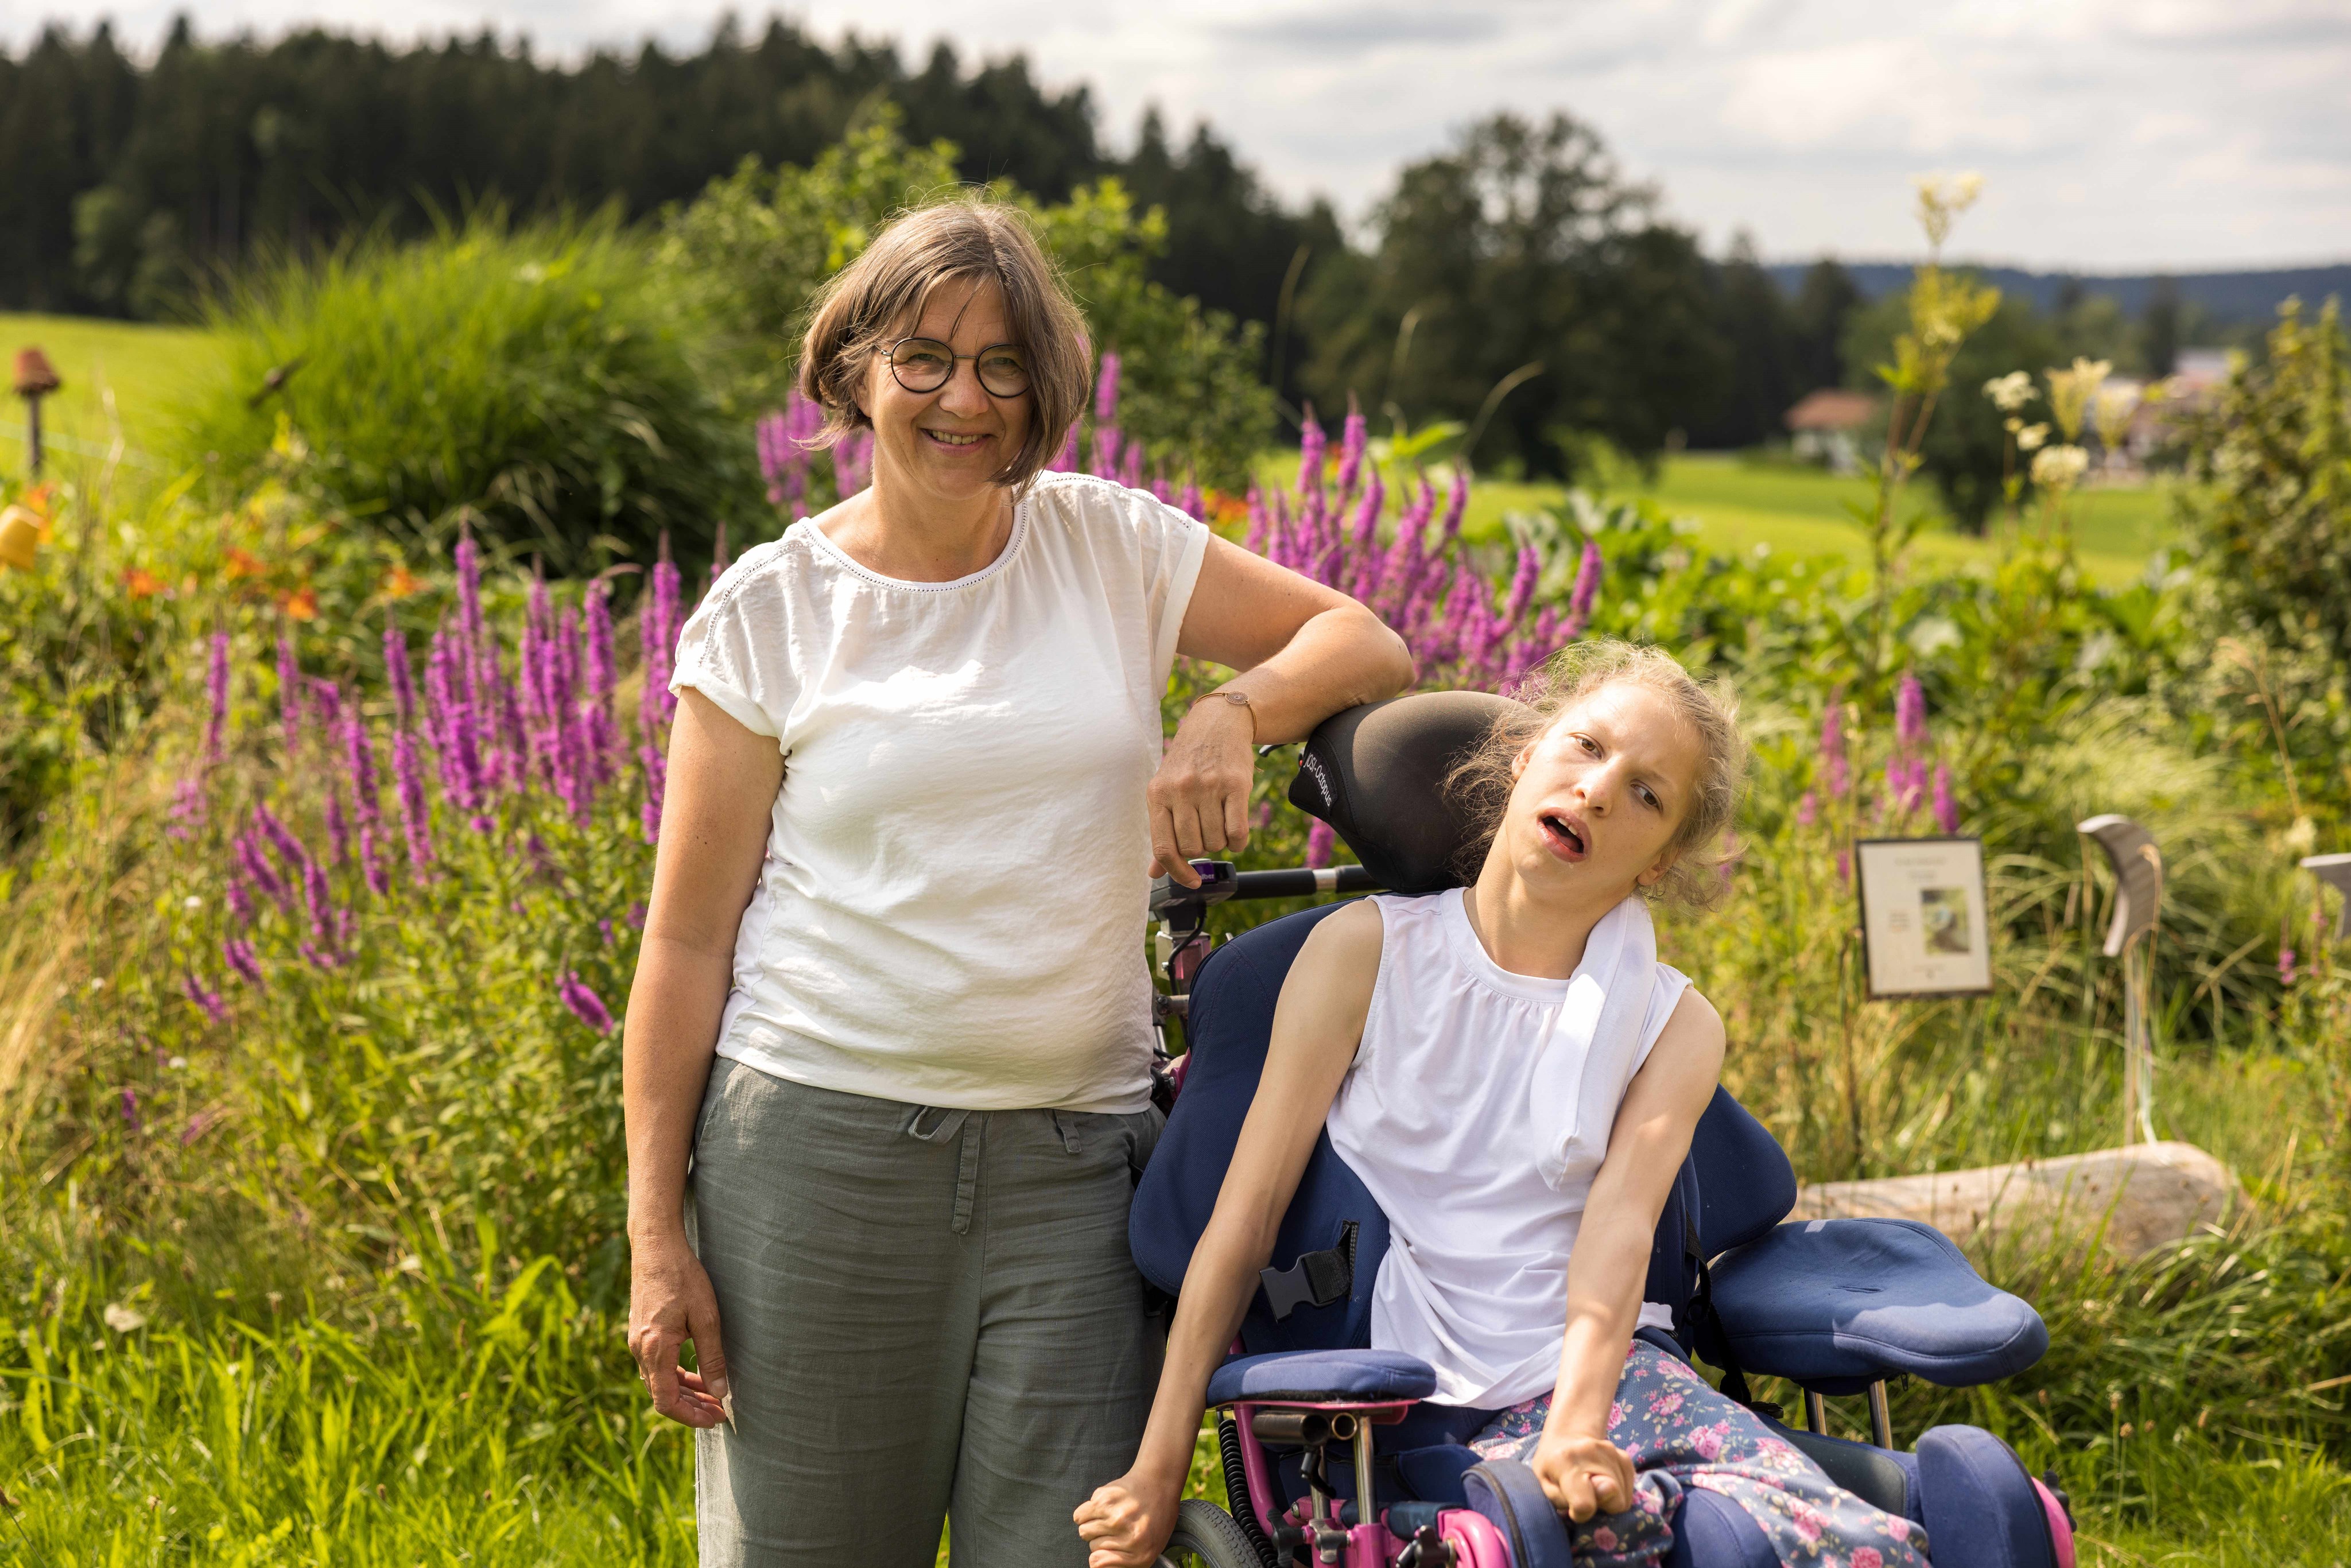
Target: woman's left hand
column 1584, row 1477
column 1199, row 798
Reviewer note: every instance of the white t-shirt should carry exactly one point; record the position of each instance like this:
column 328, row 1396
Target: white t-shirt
column 1477, row 1111
column 952, row 908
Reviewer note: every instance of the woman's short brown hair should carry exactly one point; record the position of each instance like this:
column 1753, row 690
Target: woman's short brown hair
column 963, row 238
column 1481, row 782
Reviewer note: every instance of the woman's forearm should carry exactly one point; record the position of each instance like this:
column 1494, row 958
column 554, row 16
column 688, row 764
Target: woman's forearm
column 1342, row 657
column 675, row 1009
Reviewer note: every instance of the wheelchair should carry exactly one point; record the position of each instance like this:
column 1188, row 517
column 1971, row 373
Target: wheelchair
column 1330, row 1454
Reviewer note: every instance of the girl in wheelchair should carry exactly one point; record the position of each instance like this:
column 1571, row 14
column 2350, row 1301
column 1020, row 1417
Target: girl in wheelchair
column 1516, row 1079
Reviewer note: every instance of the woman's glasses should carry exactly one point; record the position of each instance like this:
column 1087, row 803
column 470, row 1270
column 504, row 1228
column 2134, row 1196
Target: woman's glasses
column 925, row 364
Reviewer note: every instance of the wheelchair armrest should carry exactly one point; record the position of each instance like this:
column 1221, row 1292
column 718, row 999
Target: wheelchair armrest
column 1834, row 1305
column 1323, row 1378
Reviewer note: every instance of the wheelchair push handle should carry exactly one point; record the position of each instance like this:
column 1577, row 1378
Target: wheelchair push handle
column 1220, row 880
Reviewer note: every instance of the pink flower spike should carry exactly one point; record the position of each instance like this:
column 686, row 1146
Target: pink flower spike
column 1946, row 810
column 1911, row 712
column 1319, row 843
column 584, row 1003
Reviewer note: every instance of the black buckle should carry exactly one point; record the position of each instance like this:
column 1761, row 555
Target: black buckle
column 1317, row 1278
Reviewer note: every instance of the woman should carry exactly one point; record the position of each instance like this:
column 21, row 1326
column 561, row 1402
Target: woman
column 1516, row 1079
column 916, row 793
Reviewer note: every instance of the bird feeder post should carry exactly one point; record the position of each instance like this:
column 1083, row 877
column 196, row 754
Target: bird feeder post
column 2138, row 896
column 35, row 378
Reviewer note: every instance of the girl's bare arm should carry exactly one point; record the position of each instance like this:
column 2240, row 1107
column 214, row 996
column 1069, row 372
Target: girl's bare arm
column 1317, row 1025
column 1580, row 1469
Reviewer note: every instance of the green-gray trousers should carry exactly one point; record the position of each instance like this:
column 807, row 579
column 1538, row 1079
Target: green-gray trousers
column 928, row 1315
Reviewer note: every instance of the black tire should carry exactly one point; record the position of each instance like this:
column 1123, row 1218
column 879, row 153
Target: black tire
column 1208, row 1537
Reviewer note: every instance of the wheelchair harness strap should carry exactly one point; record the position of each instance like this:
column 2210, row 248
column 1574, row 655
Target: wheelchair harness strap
column 1317, row 1278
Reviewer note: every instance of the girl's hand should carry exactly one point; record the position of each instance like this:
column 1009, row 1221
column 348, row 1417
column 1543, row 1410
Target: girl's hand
column 1126, row 1523
column 1584, row 1476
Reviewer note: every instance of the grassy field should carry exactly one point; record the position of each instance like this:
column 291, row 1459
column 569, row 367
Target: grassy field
column 144, row 369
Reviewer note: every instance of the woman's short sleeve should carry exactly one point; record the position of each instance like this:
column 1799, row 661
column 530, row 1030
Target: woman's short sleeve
column 1174, row 544
column 735, row 648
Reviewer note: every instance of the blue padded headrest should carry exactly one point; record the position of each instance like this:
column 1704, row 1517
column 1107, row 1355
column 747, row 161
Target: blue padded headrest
column 1376, row 774
column 1745, row 1184
column 1230, row 1022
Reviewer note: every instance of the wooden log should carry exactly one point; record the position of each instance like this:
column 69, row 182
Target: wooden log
column 2145, row 1195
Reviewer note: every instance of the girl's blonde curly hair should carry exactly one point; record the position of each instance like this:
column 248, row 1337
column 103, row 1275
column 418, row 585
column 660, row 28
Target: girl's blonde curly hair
column 1480, row 785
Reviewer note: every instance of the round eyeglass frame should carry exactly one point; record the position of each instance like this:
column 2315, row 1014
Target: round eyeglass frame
column 897, row 371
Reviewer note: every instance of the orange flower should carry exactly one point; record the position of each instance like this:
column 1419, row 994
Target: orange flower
column 302, row 605
column 140, row 584
column 400, row 582
column 37, row 501
column 240, row 564
column 1224, row 506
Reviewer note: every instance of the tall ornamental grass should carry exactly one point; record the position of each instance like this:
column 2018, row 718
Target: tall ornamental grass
column 537, row 378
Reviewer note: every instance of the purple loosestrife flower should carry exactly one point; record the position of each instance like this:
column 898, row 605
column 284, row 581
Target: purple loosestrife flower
column 1106, row 391
column 1108, row 440
column 601, row 679
column 131, row 1118
column 1353, row 437
column 852, row 462
column 1129, row 472
column 240, row 897
column 408, row 786
column 1808, row 810
column 1836, row 770
column 338, row 828
column 2287, row 974
column 469, row 605
column 210, row 1001
column 585, row 1004
column 239, row 956
column 1312, row 448
column 1066, row 463
column 1911, row 712
column 1946, row 810
column 256, row 866
column 217, row 690
column 1190, row 502
column 668, row 620
column 1586, row 591
column 398, row 676
column 1523, row 586
column 1319, row 843
column 365, row 803
column 197, row 1125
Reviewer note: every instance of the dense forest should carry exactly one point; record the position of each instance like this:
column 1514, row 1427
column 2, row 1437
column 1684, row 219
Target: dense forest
column 1515, row 281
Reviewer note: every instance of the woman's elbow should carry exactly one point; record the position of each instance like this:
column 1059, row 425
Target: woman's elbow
column 1388, row 664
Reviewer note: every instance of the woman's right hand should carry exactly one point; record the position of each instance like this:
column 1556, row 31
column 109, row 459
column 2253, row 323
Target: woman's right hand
column 669, row 1303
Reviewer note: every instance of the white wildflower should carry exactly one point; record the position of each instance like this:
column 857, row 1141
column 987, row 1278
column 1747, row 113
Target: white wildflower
column 122, row 1318
column 2058, row 467
column 2029, row 438
column 2011, row 391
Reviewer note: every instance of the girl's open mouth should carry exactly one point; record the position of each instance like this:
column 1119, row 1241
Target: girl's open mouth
column 1564, row 834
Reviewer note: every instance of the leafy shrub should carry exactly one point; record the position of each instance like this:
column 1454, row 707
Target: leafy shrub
column 537, row 378
column 2270, row 547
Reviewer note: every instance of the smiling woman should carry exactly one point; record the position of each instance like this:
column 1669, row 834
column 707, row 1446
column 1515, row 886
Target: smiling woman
column 907, row 1278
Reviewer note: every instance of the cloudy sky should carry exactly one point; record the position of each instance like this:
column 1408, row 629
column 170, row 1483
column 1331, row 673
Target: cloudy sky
column 2115, row 135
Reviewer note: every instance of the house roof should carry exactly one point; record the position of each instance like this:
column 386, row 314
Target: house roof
column 1831, row 408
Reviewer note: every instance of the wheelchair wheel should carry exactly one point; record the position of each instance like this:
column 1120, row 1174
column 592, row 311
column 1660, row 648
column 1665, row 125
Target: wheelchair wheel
column 1206, row 1537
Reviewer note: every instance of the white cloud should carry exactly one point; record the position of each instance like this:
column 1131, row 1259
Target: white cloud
column 2117, row 134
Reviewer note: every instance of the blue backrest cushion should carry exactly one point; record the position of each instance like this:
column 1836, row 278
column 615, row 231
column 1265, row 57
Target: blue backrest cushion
column 1232, row 1022
column 1745, row 1184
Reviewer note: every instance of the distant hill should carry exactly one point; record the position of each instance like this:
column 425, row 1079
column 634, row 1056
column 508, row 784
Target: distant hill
column 2230, row 296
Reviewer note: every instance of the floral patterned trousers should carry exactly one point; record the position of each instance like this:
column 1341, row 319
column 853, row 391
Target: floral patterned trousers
column 1681, row 1434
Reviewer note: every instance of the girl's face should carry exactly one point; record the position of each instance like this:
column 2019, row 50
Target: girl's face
column 946, row 445
column 1600, row 794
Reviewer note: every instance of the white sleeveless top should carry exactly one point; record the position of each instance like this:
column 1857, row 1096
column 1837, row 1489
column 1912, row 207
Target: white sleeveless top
column 1477, row 1111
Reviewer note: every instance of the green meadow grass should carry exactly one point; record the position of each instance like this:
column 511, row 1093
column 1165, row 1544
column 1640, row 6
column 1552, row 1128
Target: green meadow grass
column 147, row 368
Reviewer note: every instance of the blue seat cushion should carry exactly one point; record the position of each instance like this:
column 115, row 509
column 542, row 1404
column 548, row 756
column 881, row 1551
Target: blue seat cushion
column 1837, row 1304
column 1322, row 1375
